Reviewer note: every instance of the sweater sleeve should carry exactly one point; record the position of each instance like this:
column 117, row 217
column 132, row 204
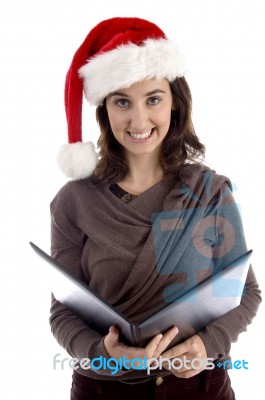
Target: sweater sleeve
column 218, row 336
column 229, row 244
column 67, row 240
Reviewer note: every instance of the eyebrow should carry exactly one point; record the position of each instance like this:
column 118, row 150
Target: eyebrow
column 146, row 94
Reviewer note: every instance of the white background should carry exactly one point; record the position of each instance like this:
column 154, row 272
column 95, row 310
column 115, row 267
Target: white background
column 224, row 42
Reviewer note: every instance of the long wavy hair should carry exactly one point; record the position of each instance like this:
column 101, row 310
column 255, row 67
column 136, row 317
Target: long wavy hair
column 180, row 146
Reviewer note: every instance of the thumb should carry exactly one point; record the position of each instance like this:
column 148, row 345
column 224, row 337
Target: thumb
column 111, row 340
column 114, row 331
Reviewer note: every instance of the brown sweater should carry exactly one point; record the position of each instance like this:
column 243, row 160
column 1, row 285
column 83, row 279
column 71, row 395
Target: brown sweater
column 139, row 255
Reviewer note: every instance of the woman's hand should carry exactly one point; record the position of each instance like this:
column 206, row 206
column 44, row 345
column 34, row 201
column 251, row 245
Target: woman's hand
column 187, row 351
column 154, row 348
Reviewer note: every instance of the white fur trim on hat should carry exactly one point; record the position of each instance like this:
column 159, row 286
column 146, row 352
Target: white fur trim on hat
column 77, row 160
column 127, row 64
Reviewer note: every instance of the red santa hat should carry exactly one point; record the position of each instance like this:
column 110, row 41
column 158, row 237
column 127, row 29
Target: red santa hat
column 115, row 54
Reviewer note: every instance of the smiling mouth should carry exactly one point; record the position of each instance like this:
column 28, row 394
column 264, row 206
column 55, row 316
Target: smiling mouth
column 141, row 136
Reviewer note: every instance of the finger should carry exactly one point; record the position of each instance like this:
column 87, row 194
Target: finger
column 177, row 364
column 165, row 341
column 175, row 351
column 152, row 345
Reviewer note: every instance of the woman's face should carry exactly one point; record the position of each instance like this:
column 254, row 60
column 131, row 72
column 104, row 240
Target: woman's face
column 140, row 115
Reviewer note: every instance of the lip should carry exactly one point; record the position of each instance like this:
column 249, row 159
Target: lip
column 140, row 141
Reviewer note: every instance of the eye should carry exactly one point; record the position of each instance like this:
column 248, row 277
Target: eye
column 153, row 100
column 122, row 103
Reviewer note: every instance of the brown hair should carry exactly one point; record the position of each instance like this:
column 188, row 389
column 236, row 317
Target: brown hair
column 180, row 145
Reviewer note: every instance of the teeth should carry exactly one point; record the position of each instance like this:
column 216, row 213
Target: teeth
column 143, row 135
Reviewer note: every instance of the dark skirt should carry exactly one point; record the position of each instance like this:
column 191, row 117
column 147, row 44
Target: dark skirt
column 208, row 385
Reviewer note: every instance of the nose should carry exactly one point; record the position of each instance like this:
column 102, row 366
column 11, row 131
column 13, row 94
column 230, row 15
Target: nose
column 139, row 118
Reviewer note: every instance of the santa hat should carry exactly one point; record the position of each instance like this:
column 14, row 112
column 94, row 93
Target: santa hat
column 115, row 54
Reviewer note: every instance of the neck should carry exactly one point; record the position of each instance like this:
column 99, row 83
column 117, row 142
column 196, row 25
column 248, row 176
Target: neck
column 144, row 172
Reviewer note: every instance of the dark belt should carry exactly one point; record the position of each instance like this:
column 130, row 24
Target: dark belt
column 158, row 380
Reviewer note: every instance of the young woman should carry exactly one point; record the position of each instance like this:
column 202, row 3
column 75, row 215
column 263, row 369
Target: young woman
column 143, row 220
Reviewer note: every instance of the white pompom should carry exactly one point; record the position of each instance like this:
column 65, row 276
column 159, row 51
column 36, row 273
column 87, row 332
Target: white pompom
column 77, row 160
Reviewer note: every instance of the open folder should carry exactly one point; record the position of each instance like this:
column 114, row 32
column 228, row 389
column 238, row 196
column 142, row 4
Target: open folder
column 201, row 305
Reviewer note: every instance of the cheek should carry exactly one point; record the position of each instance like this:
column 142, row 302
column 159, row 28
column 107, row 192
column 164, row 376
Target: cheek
column 164, row 119
column 116, row 122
